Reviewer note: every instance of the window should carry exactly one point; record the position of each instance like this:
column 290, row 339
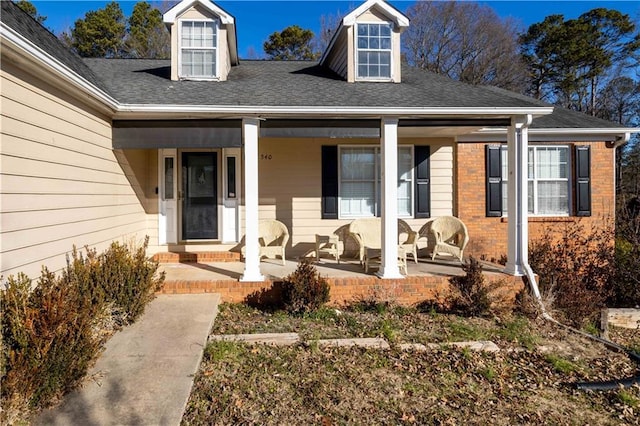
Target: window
column 360, row 185
column 198, row 49
column 548, row 172
column 374, row 51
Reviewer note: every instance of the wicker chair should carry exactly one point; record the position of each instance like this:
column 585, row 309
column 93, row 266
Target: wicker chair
column 408, row 239
column 273, row 236
column 367, row 233
column 451, row 236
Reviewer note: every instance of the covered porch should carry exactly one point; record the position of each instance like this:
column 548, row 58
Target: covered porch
column 425, row 280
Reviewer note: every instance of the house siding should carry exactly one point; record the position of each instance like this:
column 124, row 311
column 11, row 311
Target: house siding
column 488, row 235
column 290, row 189
column 338, row 58
column 61, row 183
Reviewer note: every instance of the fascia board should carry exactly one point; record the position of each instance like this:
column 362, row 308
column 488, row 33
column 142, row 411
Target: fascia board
column 553, row 135
column 12, row 38
column 399, row 19
column 253, row 110
column 171, row 15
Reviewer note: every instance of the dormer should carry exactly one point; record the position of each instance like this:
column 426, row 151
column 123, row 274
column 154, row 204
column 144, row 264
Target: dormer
column 203, row 41
column 366, row 44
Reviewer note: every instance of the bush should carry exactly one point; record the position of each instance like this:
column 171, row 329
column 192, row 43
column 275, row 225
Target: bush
column 51, row 334
column 49, row 341
column 626, row 286
column 304, row 290
column 470, row 295
column 578, row 268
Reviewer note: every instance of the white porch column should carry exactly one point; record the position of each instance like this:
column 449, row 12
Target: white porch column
column 517, row 196
column 250, row 127
column 389, row 261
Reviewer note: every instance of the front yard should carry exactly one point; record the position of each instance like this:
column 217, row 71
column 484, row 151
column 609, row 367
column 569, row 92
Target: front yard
column 528, row 381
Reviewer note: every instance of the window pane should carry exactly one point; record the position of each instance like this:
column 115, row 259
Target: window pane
column 363, row 30
column 168, row 178
column 385, row 30
column 553, row 198
column 363, row 43
column 404, row 199
column 358, row 199
column 552, row 163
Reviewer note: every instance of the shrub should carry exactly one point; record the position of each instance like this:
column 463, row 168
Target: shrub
column 578, row 267
column 49, row 341
column 304, row 290
column 626, row 286
column 470, row 295
column 51, row 334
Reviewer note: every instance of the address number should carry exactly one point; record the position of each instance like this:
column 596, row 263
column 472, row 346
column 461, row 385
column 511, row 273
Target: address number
column 266, row 156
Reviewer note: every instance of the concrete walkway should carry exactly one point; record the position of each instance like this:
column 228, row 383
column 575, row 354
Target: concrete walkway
column 145, row 375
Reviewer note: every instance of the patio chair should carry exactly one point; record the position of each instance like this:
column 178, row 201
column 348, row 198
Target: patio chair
column 451, row 236
column 273, row 236
column 408, row 239
column 367, row 233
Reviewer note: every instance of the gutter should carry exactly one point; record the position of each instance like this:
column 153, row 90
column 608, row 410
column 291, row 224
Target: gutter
column 12, row 39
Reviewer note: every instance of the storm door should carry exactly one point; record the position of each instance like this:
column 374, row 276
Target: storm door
column 199, row 200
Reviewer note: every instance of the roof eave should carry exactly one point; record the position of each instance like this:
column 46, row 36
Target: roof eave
column 14, row 41
column 321, row 111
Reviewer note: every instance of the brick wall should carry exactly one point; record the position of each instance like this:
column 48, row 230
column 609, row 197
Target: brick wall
column 408, row 291
column 488, row 235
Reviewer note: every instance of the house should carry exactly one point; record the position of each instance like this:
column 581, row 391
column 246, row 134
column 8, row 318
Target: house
column 195, row 150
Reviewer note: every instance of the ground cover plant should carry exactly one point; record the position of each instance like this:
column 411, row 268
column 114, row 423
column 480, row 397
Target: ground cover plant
column 528, row 382
column 53, row 332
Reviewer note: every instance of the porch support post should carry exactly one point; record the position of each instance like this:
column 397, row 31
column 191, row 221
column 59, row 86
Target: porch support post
column 517, row 196
column 250, row 128
column 389, row 261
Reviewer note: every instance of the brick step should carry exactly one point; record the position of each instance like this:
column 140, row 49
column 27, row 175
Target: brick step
column 197, row 257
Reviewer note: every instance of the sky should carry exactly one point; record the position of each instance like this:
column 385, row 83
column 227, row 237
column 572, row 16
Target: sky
column 256, row 20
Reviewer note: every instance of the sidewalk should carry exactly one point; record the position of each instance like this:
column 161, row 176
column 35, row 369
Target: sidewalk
column 145, row 375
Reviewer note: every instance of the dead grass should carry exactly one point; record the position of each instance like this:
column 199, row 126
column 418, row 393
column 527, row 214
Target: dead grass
column 527, row 382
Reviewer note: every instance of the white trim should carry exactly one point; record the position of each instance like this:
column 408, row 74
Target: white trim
column 170, row 16
column 402, row 112
column 216, row 48
column 356, row 50
column 398, row 18
column 11, row 38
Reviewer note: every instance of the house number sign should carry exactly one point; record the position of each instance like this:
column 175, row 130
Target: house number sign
column 266, row 156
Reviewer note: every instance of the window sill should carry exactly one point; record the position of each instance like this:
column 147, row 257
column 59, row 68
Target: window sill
column 536, row 219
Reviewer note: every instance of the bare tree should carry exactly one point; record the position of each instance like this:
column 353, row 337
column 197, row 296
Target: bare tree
column 328, row 26
column 465, row 41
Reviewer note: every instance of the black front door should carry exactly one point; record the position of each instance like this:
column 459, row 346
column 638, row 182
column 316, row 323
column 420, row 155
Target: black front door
column 199, row 201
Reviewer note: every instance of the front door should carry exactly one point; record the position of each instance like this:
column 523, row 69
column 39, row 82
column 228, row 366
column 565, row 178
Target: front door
column 199, row 200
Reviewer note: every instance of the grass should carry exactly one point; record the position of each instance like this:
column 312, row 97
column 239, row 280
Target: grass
column 312, row 384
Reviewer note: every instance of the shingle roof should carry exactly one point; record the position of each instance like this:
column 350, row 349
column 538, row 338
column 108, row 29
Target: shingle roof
column 29, row 28
column 281, row 83
column 562, row 118
column 289, row 83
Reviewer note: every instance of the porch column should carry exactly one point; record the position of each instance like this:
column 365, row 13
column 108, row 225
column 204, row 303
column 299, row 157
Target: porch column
column 389, row 261
column 250, row 127
column 517, row 196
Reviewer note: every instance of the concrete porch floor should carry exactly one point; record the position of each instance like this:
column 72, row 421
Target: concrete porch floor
column 273, row 270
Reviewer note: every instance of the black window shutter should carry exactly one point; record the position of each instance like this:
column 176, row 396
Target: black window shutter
column 423, row 182
column 494, row 180
column 329, row 182
column 583, row 180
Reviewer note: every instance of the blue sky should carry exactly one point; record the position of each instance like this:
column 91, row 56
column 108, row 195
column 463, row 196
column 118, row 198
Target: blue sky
column 257, row 19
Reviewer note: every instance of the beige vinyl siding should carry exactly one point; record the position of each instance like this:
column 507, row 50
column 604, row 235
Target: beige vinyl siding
column 61, row 183
column 337, row 59
column 290, row 185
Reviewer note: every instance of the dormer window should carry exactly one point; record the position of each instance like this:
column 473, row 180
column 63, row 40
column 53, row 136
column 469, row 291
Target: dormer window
column 198, row 49
column 373, row 51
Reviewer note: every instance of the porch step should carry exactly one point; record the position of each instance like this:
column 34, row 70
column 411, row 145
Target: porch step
column 197, row 257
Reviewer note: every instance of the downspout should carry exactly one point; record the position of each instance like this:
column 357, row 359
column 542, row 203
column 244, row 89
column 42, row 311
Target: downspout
column 533, row 284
